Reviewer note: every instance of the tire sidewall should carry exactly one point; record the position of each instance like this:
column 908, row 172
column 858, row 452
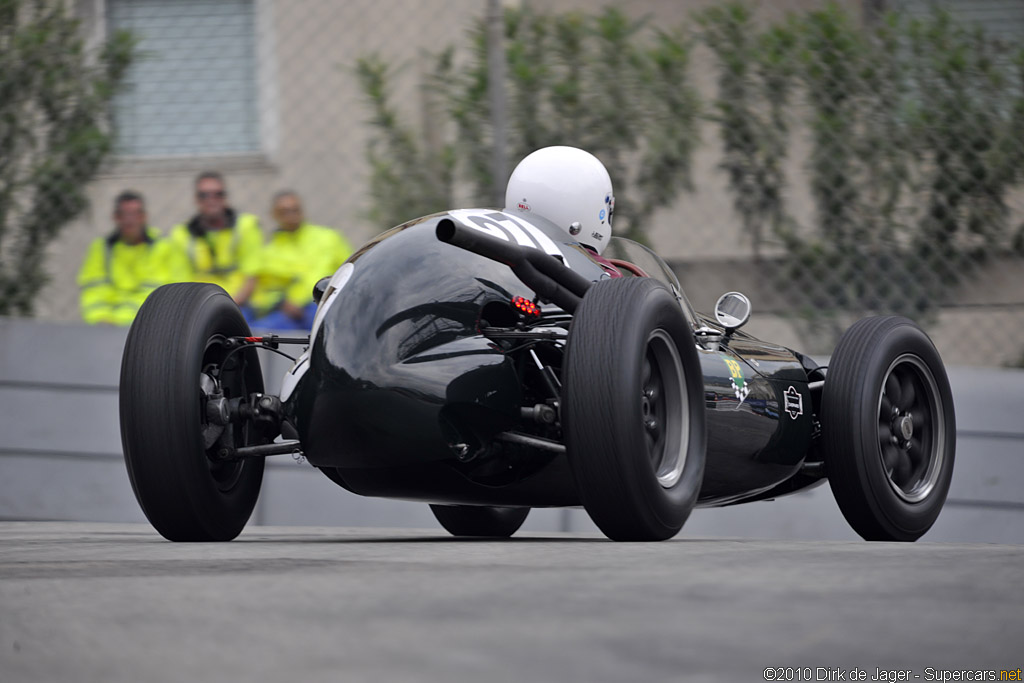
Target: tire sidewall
column 671, row 506
column 219, row 316
column 479, row 521
column 653, row 511
column 894, row 517
column 160, row 410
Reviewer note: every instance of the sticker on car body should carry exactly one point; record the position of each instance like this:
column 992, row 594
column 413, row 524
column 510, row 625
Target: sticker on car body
column 739, row 383
column 508, row 228
column 794, row 402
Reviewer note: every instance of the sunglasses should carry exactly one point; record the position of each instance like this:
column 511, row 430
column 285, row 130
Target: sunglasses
column 219, row 194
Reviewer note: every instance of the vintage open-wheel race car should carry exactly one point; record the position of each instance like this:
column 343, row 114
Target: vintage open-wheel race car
column 485, row 363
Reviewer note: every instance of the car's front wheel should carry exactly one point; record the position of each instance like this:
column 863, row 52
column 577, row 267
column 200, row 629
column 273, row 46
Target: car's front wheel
column 174, row 358
column 888, row 429
column 633, row 410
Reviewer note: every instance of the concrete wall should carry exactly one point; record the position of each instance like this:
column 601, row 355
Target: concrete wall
column 60, row 455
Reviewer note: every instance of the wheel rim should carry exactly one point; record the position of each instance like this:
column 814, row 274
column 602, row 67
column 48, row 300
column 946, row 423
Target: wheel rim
column 911, row 428
column 663, row 407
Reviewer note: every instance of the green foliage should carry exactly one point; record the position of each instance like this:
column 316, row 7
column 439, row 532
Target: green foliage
column 406, row 180
column 601, row 82
column 912, row 131
column 858, row 169
column 1017, row 124
column 755, row 82
column 971, row 134
column 915, row 145
column 54, row 134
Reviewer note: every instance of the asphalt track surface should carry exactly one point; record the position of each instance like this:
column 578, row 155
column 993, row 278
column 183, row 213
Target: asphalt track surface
column 89, row 602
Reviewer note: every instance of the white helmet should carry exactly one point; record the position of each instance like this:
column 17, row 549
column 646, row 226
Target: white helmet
column 570, row 188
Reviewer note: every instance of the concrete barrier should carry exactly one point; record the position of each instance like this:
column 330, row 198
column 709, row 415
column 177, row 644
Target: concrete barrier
column 60, row 455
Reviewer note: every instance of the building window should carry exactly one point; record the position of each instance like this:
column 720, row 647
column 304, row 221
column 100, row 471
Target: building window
column 193, row 90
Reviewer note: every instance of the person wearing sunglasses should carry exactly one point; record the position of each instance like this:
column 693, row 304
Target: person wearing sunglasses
column 218, row 240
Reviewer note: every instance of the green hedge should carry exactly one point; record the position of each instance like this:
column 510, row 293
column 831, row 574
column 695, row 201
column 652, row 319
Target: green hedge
column 916, row 130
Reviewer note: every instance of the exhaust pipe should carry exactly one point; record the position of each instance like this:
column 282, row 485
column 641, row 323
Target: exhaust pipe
column 541, row 272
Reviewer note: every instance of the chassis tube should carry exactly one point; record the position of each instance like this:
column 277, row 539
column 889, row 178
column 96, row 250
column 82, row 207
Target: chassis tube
column 539, row 271
column 262, row 451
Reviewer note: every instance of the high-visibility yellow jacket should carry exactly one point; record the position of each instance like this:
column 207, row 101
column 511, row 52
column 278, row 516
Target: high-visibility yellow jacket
column 219, row 256
column 291, row 263
column 116, row 278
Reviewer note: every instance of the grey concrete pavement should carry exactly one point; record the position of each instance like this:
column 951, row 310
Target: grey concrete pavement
column 94, row 602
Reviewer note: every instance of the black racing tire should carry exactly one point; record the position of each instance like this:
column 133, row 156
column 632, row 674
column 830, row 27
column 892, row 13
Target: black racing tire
column 186, row 494
column 633, row 410
column 480, row 521
column 888, row 429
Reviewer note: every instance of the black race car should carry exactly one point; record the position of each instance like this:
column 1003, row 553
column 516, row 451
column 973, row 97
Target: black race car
column 479, row 361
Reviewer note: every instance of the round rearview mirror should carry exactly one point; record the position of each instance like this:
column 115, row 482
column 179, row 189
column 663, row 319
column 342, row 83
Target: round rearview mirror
column 732, row 310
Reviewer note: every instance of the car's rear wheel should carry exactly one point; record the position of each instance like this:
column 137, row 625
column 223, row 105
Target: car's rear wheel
column 482, row 521
column 174, row 353
column 888, row 429
column 633, row 410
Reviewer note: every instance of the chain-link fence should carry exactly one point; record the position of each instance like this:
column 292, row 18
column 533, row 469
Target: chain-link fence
column 831, row 160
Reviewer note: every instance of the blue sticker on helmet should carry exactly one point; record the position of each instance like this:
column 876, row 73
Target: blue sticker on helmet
column 601, row 215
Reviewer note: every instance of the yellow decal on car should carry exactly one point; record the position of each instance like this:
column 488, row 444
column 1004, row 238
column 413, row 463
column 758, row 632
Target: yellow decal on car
column 739, row 384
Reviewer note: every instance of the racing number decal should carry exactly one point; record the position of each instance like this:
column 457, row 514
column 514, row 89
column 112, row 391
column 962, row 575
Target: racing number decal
column 508, row 228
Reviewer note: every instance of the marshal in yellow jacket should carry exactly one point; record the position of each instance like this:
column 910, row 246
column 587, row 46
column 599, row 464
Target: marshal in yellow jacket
column 291, row 263
column 115, row 277
column 220, row 256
